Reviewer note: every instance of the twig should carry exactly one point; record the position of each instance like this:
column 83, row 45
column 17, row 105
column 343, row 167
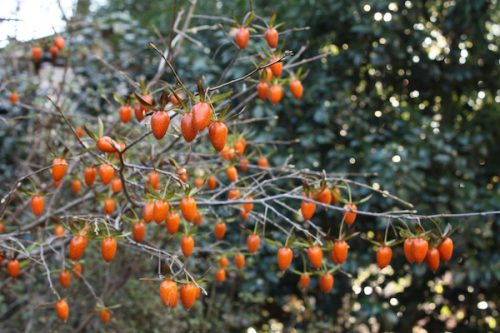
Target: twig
column 244, row 77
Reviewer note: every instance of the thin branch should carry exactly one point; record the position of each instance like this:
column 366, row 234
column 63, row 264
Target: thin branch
column 244, row 77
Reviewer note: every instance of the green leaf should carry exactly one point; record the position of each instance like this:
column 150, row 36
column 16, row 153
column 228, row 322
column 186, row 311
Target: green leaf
column 118, row 99
column 221, row 97
column 101, row 127
column 248, row 19
column 89, row 132
column 365, row 199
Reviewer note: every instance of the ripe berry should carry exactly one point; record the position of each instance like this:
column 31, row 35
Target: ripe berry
column 77, row 270
column 350, row 213
column 339, row 251
column 432, row 259
column 212, row 182
column 59, row 231
column 297, row 89
column 326, row 282
column 242, row 37
column 80, row 132
column 106, row 173
column 76, row 185
column 160, row 120
column 239, row 260
column 161, row 208
column 139, row 231
column 139, row 113
column 105, row 316
column 202, row 113
column 219, row 230
column 263, row 90
column 14, row 268
column 125, row 113
column 65, row 279
column 116, row 185
column 169, row 294
column 172, row 223
column 240, row 146
column 285, row 257
column 187, row 245
column 218, row 135
column 324, row 196
column 248, row 207
column 109, row 206
column 188, row 208
column 37, row 205
column 36, row 53
column 232, row 174
column 187, row 128
column 262, row 162
column 189, row 294
column 107, row 145
column 384, row 256
column 253, row 243
column 244, row 164
column 408, row 250
column 220, row 275
column 89, row 175
column 446, row 249
column 304, row 281
column 315, row 256
column 13, row 97
column 108, row 248
column 277, row 67
column 227, row 153
column 59, row 167
column 154, row 180
column 77, row 246
column 198, row 182
column 233, row 194
column 62, row 310
column 223, row 262
column 148, row 211
column 275, row 93
column 271, row 35
column 59, row 42
column 419, row 249
column 307, row 208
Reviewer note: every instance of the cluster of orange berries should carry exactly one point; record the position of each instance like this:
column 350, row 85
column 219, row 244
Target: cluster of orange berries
column 58, row 45
column 193, row 122
column 273, row 92
column 169, row 294
column 417, row 250
column 36, row 54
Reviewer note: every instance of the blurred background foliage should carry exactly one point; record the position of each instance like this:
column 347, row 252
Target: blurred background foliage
column 410, row 92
